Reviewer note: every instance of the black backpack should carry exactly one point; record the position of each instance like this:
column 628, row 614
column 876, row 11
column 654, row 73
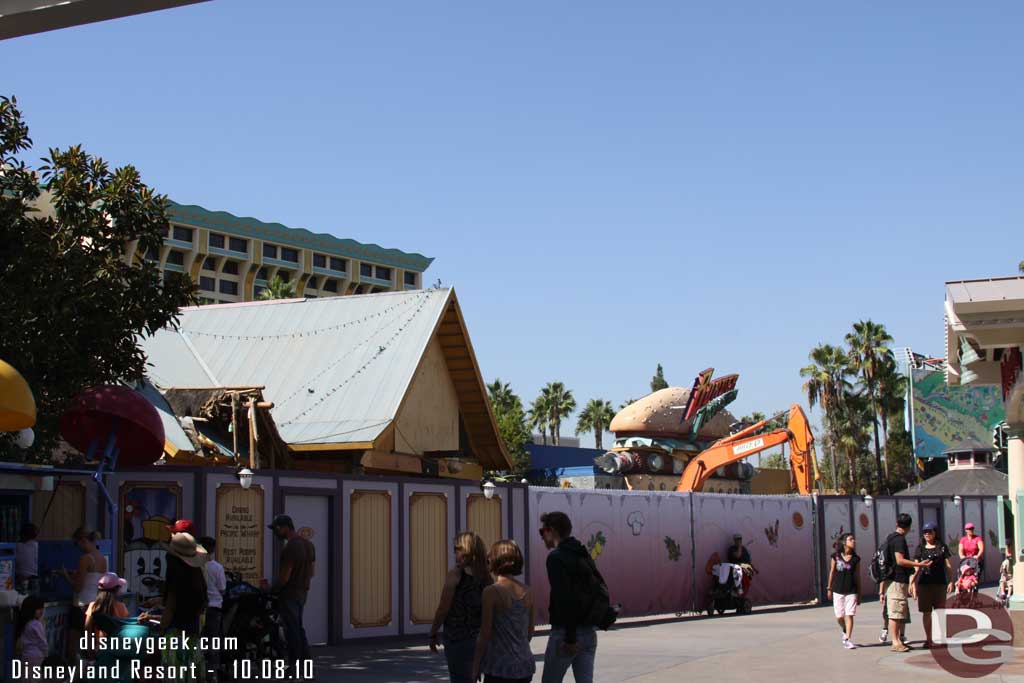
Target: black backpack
column 883, row 563
column 598, row 610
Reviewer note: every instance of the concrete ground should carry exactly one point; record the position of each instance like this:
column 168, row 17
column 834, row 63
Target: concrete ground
column 791, row 644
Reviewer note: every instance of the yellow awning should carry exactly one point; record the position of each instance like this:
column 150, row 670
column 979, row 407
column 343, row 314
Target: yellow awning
column 17, row 405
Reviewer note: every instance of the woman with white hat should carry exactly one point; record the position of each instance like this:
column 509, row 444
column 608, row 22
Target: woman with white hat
column 184, row 599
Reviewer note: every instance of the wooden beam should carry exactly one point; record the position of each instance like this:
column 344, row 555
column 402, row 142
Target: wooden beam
column 392, row 462
column 308, row 447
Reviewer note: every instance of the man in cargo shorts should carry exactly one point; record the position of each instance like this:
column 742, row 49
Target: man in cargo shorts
column 895, row 593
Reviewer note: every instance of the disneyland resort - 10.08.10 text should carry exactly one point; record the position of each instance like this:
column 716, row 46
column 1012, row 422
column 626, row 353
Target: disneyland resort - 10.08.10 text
column 138, row 670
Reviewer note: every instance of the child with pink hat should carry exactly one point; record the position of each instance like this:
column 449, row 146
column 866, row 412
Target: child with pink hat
column 109, row 587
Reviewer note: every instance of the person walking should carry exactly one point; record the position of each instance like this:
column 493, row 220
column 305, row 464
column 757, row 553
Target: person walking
column 572, row 642
column 895, row 592
column 216, row 584
column 84, row 584
column 931, row 584
column 502, row 653
column 461, row 606
column 184, row 599
column 296, row 570
column 972, row 545
column 844, row 586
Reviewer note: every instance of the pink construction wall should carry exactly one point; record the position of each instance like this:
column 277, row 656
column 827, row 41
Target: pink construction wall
column 778, row 532
column 643, row 545
column 640, row 542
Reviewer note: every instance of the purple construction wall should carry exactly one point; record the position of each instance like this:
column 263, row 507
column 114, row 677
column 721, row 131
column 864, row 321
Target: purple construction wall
column 640, row 541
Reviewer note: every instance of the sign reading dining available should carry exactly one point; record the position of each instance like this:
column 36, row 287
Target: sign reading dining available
column 240, row 530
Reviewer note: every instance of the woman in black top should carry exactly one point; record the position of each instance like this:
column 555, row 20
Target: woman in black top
column 844, row 586
column 461, row 606
column 931, row 584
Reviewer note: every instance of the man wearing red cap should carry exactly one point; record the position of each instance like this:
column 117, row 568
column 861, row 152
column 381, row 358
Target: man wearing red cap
column 183, row 526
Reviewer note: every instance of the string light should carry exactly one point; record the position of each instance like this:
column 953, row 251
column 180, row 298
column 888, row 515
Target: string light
column 375, row 335
column 304, row 333
column 380, row 352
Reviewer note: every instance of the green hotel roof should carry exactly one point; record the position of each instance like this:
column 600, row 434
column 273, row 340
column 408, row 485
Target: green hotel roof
column 245, row 226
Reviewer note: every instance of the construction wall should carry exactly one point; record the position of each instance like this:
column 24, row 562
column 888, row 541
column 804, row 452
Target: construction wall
column 872, row 524
column 654, row 548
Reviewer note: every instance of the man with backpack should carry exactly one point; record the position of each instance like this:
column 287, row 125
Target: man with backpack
column 891, row 567
column 579, row 603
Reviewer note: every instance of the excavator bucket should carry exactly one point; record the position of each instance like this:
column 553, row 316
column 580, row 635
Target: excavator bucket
column 802, row 457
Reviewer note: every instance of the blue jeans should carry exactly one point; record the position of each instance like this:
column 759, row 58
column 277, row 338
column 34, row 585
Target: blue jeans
column 294, row 632
column 557, row 663
column 459, row 655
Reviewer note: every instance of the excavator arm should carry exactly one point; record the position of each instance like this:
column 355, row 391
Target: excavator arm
column 748, row 442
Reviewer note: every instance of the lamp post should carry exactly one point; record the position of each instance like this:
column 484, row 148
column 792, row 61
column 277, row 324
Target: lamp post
column 245, row 478
column 489, row 489
column 957, row 500
column 868, row 501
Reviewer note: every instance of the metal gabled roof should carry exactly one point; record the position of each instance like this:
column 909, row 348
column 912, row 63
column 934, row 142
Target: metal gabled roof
column 336, row 369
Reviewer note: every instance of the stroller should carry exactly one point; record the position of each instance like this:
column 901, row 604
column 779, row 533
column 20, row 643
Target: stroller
column 730, row 584
column 967, row 582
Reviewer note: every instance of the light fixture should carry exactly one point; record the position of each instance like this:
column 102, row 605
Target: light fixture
column 245, row 478
column 525, row 481
column 868, row 501
column 489, row 489
column 24, row 439
column 956, row 500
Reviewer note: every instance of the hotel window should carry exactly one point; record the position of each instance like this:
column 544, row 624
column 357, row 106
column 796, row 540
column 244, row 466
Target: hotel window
column 366, row 270
column 206, row 301
column 339, row 265
column 291, row 255
column 269, row 251
column 228, row 287
column 231, row 267
column 383, row 273
column 182, row 234
column 410, row 279
column 210, row 264
column 284, row 275
column 153, row 254
column 319, row 261
column 176, row 258
column 216, row 240
column 262, row 275
column 207, row 284
column 239, row 245
column 312, row 283
column 257, row 290
column 330, row 285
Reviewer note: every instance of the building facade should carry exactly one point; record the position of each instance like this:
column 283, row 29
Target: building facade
column 233, row 259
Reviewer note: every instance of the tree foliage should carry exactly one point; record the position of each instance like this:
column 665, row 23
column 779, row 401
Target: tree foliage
column 595, row 417
column 658, row 381
column 560, row 404
column 513, row 425
column 278, row 289
column 74, row 306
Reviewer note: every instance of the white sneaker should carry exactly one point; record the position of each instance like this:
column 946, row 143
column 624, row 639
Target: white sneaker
column 883, row 636
column 849, row 645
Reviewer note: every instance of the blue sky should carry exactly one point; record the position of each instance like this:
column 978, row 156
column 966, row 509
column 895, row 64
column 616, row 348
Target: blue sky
column 608, row 185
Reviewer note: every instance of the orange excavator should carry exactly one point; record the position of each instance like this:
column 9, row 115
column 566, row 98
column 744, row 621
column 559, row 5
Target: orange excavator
column 747, row 442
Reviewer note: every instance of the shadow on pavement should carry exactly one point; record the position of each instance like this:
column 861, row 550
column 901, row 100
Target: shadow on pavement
column 394, row 662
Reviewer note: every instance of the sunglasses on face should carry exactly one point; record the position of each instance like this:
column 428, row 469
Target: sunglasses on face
column 542, row 530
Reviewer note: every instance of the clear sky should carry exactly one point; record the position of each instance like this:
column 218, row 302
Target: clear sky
column 608, row 185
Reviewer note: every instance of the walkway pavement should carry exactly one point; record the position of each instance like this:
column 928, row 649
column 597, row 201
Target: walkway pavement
column 791, row 644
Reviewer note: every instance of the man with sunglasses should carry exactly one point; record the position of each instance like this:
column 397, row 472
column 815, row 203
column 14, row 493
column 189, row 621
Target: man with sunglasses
column 573, row 642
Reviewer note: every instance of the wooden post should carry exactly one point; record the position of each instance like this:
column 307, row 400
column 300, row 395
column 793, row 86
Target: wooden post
column 234, row 425
column 251, row 406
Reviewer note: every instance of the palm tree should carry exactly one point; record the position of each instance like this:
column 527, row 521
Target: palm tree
column 869, row 351
column 850, row 426
column 501, row 394
column 892, row 390
column 596, row 416
column 277, row 289
column 560, row 404
column 538, row 417
column 827, row 385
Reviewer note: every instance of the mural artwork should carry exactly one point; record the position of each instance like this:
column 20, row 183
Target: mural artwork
column 147, row 508
column 944, row 415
